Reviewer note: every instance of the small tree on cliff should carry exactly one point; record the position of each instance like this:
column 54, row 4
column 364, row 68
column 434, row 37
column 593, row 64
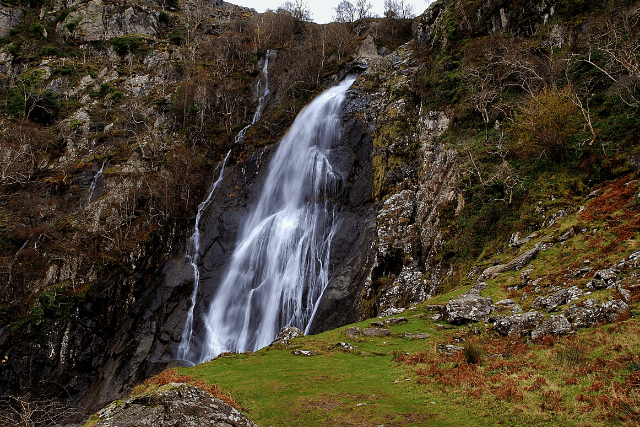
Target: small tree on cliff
column 299, row 9
column 546, row 124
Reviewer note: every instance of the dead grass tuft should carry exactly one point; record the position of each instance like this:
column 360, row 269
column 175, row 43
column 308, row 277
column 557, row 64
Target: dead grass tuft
column 171, row 376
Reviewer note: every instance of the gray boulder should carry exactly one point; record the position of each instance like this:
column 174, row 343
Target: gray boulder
column 353, row 332
column 417, row 336
column 287, row 334
column 468, row 308
column 554, row 326
column 376, row 332
column 559, row 298
column 517, row 263
column 517, row 325
column 181, row 405
column 591, row 314
column 608, row 275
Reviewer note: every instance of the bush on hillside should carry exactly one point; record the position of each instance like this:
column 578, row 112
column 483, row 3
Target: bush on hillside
column 546, row 125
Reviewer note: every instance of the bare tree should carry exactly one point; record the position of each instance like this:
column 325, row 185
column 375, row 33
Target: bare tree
column 299, row 9
column 21, row 411
column 364, row 9
column 504, row 174
column 19, row 154
column 484, row 92
column 345, row 12
column 398, row 9
column 192, row 16
column 619, row 42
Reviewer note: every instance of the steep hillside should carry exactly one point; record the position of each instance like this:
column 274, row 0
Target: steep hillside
column 115, row 120
column 488, row 148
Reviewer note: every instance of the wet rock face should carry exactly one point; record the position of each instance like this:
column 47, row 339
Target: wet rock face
column 68, row 351
column 351, row 259
column 180, row 405
column 128, row 329
column 162, row 317
column 61, row 361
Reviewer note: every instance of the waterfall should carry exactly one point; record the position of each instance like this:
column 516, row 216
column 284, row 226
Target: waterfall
column 15, row 259
column 193, row 253
column 92, row 187
column 265, row 92
column 279, row 269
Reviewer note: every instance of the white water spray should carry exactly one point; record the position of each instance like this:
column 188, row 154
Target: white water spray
column 279, row 268
column 92, row 187
column 193, row 254
column 256, row 116
column 15, row 259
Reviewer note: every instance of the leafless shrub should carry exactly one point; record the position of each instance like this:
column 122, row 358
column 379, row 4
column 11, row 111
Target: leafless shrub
column 20, row 411
column 21, row 146
column 615, row 50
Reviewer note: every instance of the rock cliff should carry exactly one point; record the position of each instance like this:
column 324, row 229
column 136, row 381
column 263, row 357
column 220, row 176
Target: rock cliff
column 116, row 118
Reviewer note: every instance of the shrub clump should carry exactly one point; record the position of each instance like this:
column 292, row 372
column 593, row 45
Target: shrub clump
column 126, row 44
column 473, row 352
column 546, row 125
column 176, row 36
column 573, row 354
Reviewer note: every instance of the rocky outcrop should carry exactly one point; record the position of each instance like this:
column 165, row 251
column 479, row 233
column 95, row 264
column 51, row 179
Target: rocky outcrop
column 517, row 263
column 9, row 18
column 517, row 325
column 554, row 326
column 487, row 16
column 97, row 21
column 171, row 406
column 415, row 191
column 425, row 26
column 591, row 313
column 469, row 307
column 287, row 334
column 559, row 298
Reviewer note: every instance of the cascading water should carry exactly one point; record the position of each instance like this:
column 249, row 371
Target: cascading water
column 256, row 116
column 279, row 269
column 193, row 254
column 92, row 187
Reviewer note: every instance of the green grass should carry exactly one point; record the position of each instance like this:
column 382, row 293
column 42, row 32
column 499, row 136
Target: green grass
column 276, row 387
column 379, row 384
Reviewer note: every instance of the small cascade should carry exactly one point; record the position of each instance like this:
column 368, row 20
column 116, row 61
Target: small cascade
column 279, row 269
column 15, row 259
column 265, row 92
column 193, row 253
column 92, row 188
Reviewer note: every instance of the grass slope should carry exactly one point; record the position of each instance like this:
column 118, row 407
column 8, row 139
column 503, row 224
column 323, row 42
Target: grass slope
column 590, row 378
